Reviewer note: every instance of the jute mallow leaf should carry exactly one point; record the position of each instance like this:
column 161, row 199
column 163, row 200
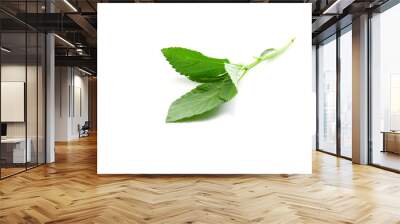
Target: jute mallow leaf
column 194, row 65
column 204, row 98
column 219, row 78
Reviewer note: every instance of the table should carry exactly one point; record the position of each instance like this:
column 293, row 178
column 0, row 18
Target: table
column 391, row 141
column 13, row 150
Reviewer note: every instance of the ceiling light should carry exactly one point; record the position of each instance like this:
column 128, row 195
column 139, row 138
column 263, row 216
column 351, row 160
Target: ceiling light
column 79, row 51
column 70, row 5
column 5, row 50
column 64, row 40
column 84, row 71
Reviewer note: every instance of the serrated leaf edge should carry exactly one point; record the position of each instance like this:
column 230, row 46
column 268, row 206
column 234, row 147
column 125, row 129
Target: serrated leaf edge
column 187, row 75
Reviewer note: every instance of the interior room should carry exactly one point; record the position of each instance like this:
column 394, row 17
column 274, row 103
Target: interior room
column 49, row 144
column 22, row 103
column 71, row 102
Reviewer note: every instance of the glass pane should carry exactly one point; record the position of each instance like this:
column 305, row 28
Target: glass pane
column 14, row 153
column 327, row 97
column 386, row 89
column 346, row 93
column 31, row 100
column 31, row 88
column 41, row 99
column 314, row 88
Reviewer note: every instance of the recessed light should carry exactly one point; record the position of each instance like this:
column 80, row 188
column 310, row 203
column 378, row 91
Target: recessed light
column 64, row 40
column 5, row 50
column 70, row 5
column 84, row 71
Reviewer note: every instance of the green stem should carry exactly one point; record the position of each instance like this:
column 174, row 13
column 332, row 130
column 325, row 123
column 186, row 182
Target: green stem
column 273, row 54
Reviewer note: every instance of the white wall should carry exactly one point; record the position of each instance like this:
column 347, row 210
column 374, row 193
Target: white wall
column 70, row 83
column 9, row 73
column 34, row 126
column 62, row 81
column 16, row 72
column 81, row 103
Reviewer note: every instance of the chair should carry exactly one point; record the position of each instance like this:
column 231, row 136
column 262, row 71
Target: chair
column 84, row 130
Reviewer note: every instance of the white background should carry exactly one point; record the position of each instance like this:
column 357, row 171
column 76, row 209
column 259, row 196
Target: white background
column 266, row 128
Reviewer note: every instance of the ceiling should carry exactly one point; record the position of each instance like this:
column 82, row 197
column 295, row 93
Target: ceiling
column 76, row 22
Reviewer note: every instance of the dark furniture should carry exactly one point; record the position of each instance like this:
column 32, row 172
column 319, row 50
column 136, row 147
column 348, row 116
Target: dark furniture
column 84, row 130
column 3, row 129
column 391, row 141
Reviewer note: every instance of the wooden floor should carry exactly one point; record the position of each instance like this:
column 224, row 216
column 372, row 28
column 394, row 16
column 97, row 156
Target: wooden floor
column 9, row 171
column 69, row 191
column 5, row 172
column 386, row 159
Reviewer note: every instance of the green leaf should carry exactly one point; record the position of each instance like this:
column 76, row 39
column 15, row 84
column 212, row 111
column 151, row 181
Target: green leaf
column 194, row 65
column 234, row 72
column 202, row 99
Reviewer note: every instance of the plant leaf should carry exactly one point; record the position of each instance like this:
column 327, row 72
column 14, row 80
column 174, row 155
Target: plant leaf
column 204, row 98
column 194, row 65
column 234, row 72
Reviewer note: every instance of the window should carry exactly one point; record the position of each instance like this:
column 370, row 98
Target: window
column 22, row 101
column 346, row 93
column 385, row 89
column 327, row 96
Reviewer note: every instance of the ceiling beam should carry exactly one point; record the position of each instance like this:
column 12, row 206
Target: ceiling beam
column 320, row 22
column 86, row 26
column 84, row 61
column 337, row 6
